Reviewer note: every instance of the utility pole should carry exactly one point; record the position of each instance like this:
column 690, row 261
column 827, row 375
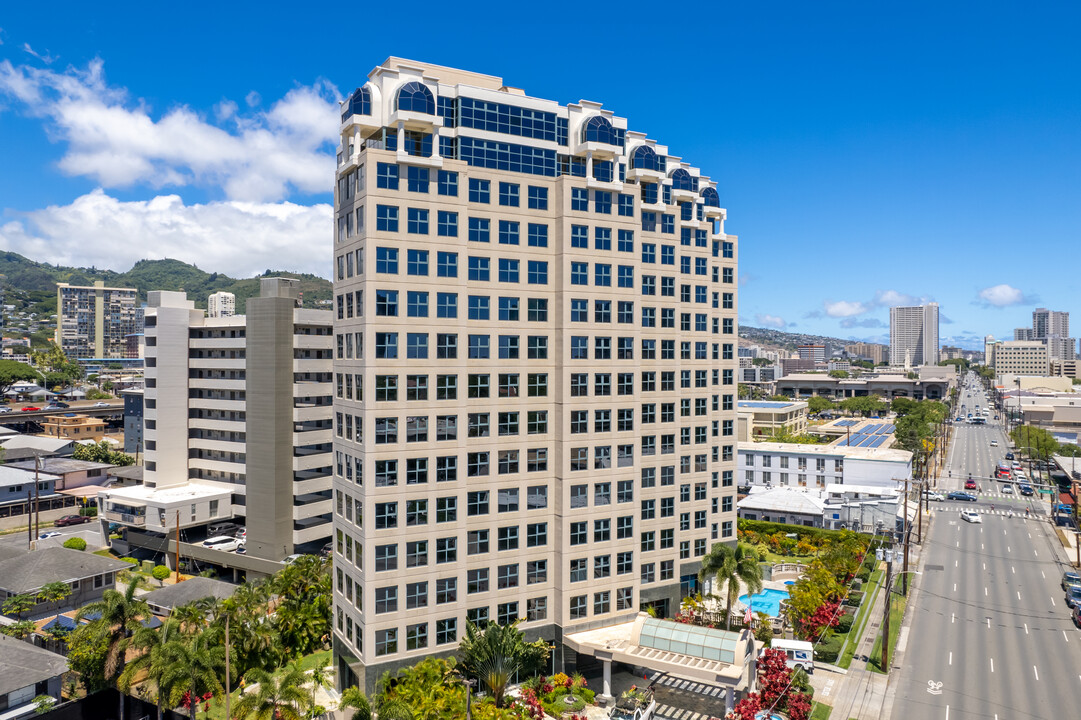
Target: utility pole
column 886, row 613
column 177, row 556
column 37, row 497
column 907, row 531
column 227, row 714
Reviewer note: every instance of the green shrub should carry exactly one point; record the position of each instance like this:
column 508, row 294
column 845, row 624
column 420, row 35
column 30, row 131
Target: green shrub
column 854, row 598
column 845, row 623
column 829, row 650
column 88, row 511
column 864, row 575
column 129, row 560
column 75, row 543
column 857, row 584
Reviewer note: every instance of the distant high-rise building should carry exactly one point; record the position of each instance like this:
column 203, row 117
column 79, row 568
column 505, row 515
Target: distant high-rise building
column 1022, row 334
column 989, row 344
column 94, row 321
column 874, row 352
column 221, row 304
column 812, row 352
column 914, row 335
column 1049, row 323
column 524, row 292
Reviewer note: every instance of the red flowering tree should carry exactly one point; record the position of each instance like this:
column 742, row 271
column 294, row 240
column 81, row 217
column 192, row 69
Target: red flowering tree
column 799, row 706
column 746, row 708
column 774, row 691
column 826, row 616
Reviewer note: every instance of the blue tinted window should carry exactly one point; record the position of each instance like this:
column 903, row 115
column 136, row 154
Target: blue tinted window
column 649, row 221
column 668, row 286
column 418, row 221
column 668, row 223
column 647, row 158
column 668, row 255
column 448, row 223
column 580, row 237
column 700, row 266
column 626, row 241
column 579, row 347
column 446, row 305
column 602, row 170
column 417, row 303
column 448, row 110
column 507, row 156
column 572, row 166
column 447, row 264
column 386, row 218
column 579, row 273
column 602, row 274
column 448, row 147
column 478, row 269
column 686, row 211
column 538, row 198
column 649, row 193
column 508, row 194
column 682, row 180
column 685, row 236
column 508, row 347
column 448, row 183
column 509, row 119
column 508, row 232
column 685, row 264
column 386, row 260
column 711, row 198
column 602, row 238
column 626, row 276
column 415, row 97
column 728, row 249
column 479, row 229
column 508, row 309
column 538, row 235
column 386, row 346
column 479, row 347
column 478, row 307
column 538, row 272
column 649, row 285
column 701, row 238
column 579, row 310
column 479, row 190
column 416, row 347
column 386, row 176
column 417, row 144
column 626, row 205
column 649, row 253
column 666, row 194
column 386, row 303
column 508, row 270
column 417, row 262
column 602, row 202
column 580, row 199
column 599, row 129
column 360, row 103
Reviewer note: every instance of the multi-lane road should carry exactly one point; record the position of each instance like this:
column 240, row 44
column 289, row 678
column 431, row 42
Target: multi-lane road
column 990, row 635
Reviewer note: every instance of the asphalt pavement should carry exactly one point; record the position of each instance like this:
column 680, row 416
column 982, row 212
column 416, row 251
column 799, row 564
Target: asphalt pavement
column 91, row 532
column 990, row 635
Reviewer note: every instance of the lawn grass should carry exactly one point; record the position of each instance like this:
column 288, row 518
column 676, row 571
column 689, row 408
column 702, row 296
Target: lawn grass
column 773, row 558
column 897, row 614
column 820, row 711
column 856, row 633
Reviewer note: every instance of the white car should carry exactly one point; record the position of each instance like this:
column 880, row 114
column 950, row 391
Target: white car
column 50, row 534
column 101, row 405
column 935, row 497
column 1020, row 477
column 4, row 409
column 1007, row 489
column 971, row 516
column 222, row 542
column 994, row 443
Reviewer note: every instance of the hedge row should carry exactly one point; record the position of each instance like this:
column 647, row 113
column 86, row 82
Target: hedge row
column 761, row 526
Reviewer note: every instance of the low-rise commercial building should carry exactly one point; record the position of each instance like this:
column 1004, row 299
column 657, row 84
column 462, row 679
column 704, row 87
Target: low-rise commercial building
column 770, row 464
column 763, row 418
column 1019, row 357
column 74, row 427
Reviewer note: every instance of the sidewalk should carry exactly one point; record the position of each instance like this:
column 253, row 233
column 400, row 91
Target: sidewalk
column 862, row 693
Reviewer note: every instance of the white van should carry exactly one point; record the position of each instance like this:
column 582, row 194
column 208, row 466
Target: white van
column 800, row 653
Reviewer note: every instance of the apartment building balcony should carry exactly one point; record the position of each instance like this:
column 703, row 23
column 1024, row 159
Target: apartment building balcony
column 311, row 461
column 313, row 437
column 716, row 212
column 126, row 518
column 640, row 174
column 314, row 507
column 679, row 194
column 313, row 365
column 312, row 388
column 216, row 425
column 313, row 342
column 311, row 533
column 316, row 484
column 216, row 343
column 217, row 465
column 229, row 446
column 212, row 363
column 217, row 383
column 216, row 404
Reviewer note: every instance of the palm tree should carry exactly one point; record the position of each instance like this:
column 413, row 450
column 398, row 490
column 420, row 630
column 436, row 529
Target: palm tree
column 118, row 616
column 353, row 698
column 193, row 617
column 729, row 567
column 149, row 665
column 277, row 697
column 17, row 605
column 492, row 655
column 192, row 667
column 320, row 678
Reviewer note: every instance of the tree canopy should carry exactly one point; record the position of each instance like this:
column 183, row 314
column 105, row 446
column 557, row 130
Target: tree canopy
column 12, row 372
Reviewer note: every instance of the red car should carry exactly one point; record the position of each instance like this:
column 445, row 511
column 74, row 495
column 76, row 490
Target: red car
column 71, row 520
column 970, row 484
column 29, row 408
column 1077, row 616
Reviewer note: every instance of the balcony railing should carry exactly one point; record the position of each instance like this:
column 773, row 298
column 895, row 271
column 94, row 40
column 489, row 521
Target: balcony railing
column 126, row 518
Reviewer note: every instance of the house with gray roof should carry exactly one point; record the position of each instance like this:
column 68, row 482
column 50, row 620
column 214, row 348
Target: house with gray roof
column 25, row 447
column 89, row 575
column 27, row 671
column 164, row 600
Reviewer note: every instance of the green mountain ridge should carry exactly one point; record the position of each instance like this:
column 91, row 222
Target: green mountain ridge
column 34, row 283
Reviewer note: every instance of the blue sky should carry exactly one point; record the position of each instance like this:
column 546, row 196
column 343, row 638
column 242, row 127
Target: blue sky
column 867, row 153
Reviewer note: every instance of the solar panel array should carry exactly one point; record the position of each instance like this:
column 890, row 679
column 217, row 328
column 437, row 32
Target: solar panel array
column 846, row 423
column 870, row 436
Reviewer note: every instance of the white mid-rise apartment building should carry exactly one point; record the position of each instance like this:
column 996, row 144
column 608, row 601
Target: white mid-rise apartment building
column 1018, row 357
column 534, row 368
column 914, row 335
column 768, row 464
column 237, row 422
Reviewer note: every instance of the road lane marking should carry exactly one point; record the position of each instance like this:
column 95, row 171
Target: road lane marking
column 1042, row 575
column 1012, row 570
column 1036, row 554
column 1018, row 594
column 947, row 712
column 1026, row 632
column 954, row 617
column 1052, row 602
column 981, row 546
column 1007, row 548
column 951, row 657
column 1035, row 672
column 992, row 664
column 988, row 623
column 1065, row 636
column 985, row 591
column 958, row 543
column 985, row 566
column 955, row 587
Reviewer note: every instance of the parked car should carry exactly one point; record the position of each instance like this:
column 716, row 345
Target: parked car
column 971, row 516
column 241, row 547
column 1070, row 577
column 50, row 534
column 223, row 528
column 1073, row 596
column 958, row 495
column 222, row 542
column 29, row 408
column 290, row 559
column 1077, row 616
column 327, row 550
column 71, row 520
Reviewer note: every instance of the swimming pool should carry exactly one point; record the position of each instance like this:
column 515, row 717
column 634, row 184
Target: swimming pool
column 767, row 601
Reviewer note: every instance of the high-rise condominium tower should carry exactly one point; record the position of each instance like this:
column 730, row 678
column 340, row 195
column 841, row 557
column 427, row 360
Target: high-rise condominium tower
column 95, row 321
column 534, row 367
column 914, row 335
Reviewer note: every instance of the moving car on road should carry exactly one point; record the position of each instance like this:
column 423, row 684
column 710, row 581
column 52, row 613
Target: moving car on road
column 994, row 443
column 1007, row 489
column 1026, row 490
column 971, row 516
column 970, row 484
column 958, row 495
column 29, row 408
column 935, row 497
column 1009, row 456
column 101, row 405
column 71, row 520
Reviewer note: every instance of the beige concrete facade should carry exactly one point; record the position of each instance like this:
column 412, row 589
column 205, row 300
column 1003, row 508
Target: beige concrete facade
column 80, row 427
column 1019, row 357
column 560, row 446
column 95, row 321
column 762, row 418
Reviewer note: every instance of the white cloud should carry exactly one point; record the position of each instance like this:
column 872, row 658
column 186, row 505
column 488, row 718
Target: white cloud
column 46, row 58
column 893, row 298
column 262, row 156
column 1002, row 296
column 770, row 321
column 238, row 238
column 844, row 308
